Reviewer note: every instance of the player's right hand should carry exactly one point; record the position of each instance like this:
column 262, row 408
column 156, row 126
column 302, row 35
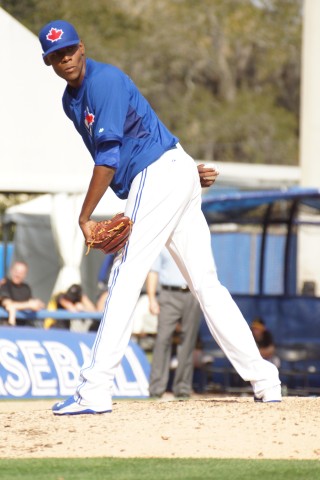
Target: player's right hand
column 207, row 175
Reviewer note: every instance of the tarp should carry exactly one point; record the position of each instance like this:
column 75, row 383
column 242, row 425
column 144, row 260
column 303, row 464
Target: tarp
column 49, row 239
column 43, row 205
column 39, row 149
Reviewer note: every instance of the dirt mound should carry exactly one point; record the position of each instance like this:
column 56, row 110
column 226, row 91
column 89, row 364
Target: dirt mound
column 209, row 427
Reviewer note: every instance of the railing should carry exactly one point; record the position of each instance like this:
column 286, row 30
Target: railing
column 55, row 314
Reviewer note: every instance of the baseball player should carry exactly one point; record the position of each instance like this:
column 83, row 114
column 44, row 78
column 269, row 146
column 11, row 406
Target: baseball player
column 143, row 162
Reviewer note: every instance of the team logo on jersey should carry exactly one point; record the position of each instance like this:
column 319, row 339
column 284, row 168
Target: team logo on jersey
column 88, row 120
column 54, row 35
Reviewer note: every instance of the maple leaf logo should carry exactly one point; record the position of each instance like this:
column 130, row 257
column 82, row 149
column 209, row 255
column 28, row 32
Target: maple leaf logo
column 89, row 119
column 54, row 35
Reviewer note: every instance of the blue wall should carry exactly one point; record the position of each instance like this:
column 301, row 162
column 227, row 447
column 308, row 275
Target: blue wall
column 237, row 257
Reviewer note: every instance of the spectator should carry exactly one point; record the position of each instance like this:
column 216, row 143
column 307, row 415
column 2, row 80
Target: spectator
column 264, row 341
column 16, row 295
column 73, row 300
column 177, row 310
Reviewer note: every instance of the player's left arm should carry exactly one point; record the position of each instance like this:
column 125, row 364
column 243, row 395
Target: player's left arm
column 207, row 175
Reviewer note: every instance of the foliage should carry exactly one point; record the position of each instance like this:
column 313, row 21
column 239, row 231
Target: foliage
column 8, row 200
column 224, row 75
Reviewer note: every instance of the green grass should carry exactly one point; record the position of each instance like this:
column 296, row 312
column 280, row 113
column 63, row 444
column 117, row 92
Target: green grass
column 158, row 469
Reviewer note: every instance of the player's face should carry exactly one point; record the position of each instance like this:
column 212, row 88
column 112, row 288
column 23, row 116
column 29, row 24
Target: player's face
column 69, row 63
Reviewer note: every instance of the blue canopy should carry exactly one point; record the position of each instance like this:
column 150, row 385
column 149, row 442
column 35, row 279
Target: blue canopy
column 244, row 207
column 221, row 205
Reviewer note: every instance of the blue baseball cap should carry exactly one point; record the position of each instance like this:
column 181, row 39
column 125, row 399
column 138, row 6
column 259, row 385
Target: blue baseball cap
column 55, row 35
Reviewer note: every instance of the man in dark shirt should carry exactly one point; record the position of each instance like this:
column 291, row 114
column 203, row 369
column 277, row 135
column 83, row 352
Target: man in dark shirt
column 15, row 294
column 264, row 341
column 73, row 300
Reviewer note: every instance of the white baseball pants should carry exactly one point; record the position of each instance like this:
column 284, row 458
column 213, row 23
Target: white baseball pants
column 165, row 206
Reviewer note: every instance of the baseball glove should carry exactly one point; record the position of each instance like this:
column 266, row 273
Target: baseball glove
column 110, row 235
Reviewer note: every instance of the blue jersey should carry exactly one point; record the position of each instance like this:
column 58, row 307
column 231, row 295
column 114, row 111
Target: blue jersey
column 108, row 107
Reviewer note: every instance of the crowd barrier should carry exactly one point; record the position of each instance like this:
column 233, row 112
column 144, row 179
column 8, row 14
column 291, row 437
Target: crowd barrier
column 55, row 314
column 41, row 363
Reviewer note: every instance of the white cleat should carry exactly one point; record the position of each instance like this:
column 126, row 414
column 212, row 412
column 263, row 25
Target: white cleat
column 269, row 395
column 71, row 407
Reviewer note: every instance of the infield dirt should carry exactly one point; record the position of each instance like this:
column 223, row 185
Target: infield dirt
column 207, row 427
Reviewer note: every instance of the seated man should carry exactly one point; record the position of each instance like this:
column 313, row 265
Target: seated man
column 264, row 341
column 16, row 295
column 73, row 300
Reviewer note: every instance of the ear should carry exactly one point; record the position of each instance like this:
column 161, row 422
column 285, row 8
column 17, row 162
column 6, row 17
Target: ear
column 46, row 61
column 82, row 48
